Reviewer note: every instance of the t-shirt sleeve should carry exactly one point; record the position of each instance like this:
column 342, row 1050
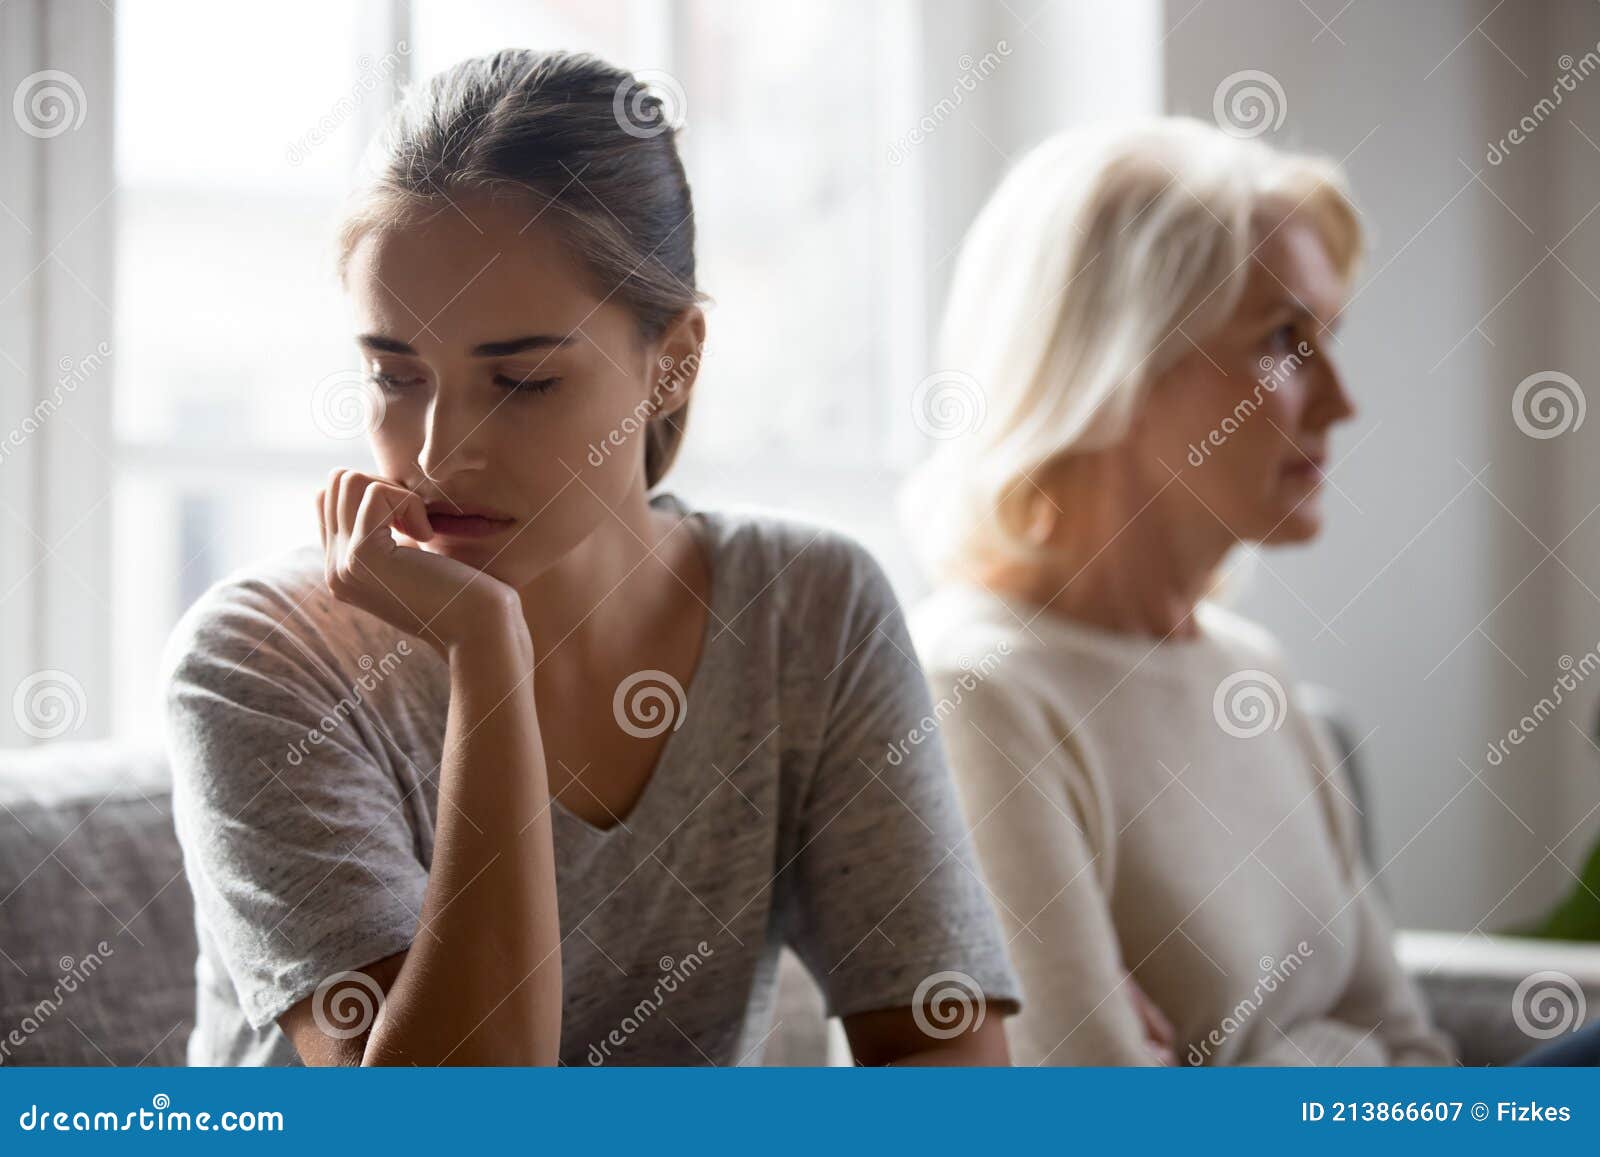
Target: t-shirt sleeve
column 889, row 907
column 294, row 836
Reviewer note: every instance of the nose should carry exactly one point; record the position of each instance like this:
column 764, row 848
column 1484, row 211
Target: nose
column 1331, row 403
column 452, row 439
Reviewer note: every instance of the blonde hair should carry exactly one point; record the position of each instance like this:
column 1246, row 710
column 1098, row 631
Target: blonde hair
column 1075, row 288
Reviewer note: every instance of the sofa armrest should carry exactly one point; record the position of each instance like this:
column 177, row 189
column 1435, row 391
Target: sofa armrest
column 1499, row 997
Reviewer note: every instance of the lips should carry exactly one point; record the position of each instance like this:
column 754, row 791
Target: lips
column 467, row 525
column 466, row 521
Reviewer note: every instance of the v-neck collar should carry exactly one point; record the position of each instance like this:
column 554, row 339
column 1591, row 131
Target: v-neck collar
column 642, row 816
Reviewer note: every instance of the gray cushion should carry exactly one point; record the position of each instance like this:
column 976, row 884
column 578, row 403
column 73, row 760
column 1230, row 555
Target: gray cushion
column 88, row 855
column 88, row 859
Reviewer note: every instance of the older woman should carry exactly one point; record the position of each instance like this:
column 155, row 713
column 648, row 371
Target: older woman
column 1146, row 311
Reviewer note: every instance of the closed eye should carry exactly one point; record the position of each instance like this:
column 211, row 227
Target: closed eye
column 390, row 381
column 520, row 385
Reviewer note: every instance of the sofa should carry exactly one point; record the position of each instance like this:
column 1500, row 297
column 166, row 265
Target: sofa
column 97, row 942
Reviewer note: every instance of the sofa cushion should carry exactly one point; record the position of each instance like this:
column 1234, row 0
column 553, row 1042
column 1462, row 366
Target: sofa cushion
column 97, row 943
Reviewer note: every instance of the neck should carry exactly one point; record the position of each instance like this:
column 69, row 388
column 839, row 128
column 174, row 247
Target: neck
column 1132, row 567
column 600, row 598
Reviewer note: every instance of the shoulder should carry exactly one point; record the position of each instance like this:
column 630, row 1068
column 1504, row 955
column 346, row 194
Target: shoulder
column 243, row 609
column 808, row 574
column 959, row 628
column 272, row 625
column 1244, row 640
column 260, row 607
column 996, row 687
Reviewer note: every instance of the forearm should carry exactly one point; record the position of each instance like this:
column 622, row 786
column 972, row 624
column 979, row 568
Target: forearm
column 970, row 1049
column 481, row 983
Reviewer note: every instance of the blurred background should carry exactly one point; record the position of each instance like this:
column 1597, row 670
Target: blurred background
column 170, row 170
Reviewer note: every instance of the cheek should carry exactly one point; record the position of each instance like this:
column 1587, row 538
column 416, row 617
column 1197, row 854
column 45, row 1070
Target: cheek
column 608, row 435
column 397, row 440
column 1285, row 402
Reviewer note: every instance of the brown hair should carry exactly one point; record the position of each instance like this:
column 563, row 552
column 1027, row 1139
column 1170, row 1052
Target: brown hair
column 569, row 134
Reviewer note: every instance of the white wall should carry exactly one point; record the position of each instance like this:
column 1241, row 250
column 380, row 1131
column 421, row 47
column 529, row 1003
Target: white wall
column 1430, row 603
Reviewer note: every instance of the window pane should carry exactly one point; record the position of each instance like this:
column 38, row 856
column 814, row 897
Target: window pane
column 173, row 540
column 231, row 165
column 446, row 31
column 779, row 121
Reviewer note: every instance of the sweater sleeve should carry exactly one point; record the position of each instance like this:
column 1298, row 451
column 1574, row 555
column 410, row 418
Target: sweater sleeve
column 1380, row 1003
column 1321, row 1043
column 1045, row 847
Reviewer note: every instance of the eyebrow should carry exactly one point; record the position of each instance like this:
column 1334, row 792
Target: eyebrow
column 1289, row 308
column 488, row 349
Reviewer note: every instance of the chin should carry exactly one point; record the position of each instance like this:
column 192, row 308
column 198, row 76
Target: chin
column 1301, row 525
column 487, row 556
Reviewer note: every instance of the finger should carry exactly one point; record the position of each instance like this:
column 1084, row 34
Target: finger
column 330, row 496
column 412, row 517
column 1158, row 1021
column 329, row 528
column 375, row 517
column 352, row 485
column 322, row 521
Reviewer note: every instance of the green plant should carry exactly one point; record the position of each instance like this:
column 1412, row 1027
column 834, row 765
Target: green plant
column 1577, row 916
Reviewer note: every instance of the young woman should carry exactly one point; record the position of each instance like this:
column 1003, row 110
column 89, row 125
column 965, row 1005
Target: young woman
column 1172, row 847
column 529, row 762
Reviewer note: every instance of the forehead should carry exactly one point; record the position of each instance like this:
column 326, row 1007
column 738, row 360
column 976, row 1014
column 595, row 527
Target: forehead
column 1292, row 267
column 471, row 272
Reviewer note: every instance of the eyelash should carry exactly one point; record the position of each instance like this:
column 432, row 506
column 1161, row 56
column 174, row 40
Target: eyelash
column 521, row 385
column 516, row 385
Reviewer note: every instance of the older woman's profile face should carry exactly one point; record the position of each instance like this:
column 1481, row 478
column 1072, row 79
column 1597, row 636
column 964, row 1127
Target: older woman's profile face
column 1244, row 417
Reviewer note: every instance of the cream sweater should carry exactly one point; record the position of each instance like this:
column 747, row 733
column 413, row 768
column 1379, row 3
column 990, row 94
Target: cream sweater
column 1162, row 808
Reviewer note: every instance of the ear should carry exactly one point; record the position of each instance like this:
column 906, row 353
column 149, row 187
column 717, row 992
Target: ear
column 675, row 360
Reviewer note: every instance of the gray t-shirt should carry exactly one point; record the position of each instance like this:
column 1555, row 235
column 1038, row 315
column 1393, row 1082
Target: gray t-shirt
column 795, row 803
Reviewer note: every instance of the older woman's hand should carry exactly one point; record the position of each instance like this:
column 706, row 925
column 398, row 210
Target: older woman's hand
column 1158, row 1032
